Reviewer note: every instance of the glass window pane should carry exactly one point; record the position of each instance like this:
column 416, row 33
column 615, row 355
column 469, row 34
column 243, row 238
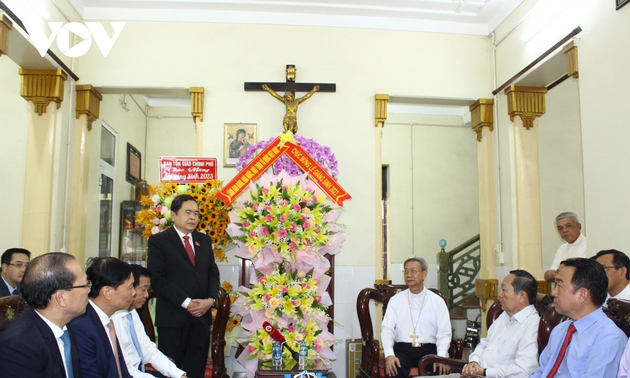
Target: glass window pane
column 108, row 146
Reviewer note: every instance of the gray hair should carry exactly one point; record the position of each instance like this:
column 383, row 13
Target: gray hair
column 568, row 214
column 420, row 260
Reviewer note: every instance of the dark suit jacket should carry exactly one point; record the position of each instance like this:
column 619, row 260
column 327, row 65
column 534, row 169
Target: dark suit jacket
column 175, row 279
column 4, row 290
column 28, row 348
column 95, row 351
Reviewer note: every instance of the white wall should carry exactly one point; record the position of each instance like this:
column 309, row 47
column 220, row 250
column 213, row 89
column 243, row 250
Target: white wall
column 13, row 119
column 361, row 62
column 560, row 154
column 130, row 127
column 432, row 182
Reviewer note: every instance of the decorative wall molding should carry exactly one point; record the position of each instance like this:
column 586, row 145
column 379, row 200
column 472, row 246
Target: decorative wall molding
column 571, row 52
column 5, row 28
column 526, row 102
column 482, row 114
column 381, row 108
column 88, row 103
column 41, row 87
column 196, row 103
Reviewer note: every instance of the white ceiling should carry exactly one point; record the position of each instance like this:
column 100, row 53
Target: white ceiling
column 474, row 17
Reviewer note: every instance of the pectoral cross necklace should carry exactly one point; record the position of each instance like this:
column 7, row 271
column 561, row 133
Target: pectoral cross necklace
column 414, row 336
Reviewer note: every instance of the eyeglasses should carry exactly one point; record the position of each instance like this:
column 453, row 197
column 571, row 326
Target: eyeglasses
column 608, row 267
column 88, row 285
column 19, row 265
column 412, row 271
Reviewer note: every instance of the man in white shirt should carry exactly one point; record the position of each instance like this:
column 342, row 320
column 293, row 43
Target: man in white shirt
column 14, row 262
column 511, row 347
column 416, row 324
column 569, row 228
column 39, row 343
column 128, row 321
column 617, row 267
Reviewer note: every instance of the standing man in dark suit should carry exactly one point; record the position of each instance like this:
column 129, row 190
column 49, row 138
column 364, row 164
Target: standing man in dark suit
column 38, row 343
column 14, row 262
column 186, row 280
column 112, row 290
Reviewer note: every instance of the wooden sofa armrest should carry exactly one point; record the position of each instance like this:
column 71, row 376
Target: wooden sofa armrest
column 456, row 365
column 217, row 348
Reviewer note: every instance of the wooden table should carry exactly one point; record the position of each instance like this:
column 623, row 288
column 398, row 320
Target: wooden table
column 267, row 370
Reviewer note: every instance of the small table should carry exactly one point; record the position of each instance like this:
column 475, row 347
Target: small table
column 267, row 370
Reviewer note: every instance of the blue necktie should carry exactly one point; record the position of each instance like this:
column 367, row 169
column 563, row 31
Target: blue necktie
column 14, row 292
column 67, row 353
column 134, row 339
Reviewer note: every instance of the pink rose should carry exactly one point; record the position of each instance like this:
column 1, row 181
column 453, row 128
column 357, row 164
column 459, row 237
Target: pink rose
column 250, row 349
column 307, row 224
column 282, row 203
column 268, row 207
column 269, row 217
column 267, row 297
column 292, row 246
column 285, row 187
column 261, row 279
column 283, row 217
column 264, row 231
column 314, row 198
column 255, row 207
column 318, row 298
column 293, row 227
column 297, row 207
column 317, row 229
column 245, row 224
column 282, row 233
column 284, row 290
column 291, row 328
column 265, row 190
column 252, row 234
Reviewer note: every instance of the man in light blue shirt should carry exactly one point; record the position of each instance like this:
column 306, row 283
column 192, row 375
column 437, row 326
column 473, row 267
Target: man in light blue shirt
column 596, row 344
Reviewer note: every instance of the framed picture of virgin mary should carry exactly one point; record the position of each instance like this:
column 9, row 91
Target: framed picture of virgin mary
column 238, row 136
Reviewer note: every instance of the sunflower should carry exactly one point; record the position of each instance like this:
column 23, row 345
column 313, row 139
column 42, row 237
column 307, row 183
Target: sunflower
column 210, row 183
column 236, row 321
column 164, row 193
column 211, row 201
column 212, row 234
column 219, row 254
column 203, row 226
column 214, row 215
column 195, row 196
column 173, row 186
column 206, row 218
column 203, row 189
column 192, row 186
column 216, row 241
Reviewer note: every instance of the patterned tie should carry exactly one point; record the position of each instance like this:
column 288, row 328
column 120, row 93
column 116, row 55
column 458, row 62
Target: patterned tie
column 563, row 351
column 134, row 339
column 67, row 353
column 189, row 249
column 112, row 334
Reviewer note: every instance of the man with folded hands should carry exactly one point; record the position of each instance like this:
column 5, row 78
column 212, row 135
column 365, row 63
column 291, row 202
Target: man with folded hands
column 511, row 348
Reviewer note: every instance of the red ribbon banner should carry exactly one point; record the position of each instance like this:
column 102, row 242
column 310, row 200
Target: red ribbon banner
column 268, row 156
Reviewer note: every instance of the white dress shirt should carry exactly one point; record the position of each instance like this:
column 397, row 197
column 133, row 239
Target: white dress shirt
column 11, row 288
column 623, row 294
column 105, row 320
column 57, row 332
column 192, row 244
column 567, row 251
column 434, row 325
column 150, row 352
column 511, row 347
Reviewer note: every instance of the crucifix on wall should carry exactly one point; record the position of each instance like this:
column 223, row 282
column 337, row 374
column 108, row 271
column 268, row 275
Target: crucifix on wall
column 290, row 87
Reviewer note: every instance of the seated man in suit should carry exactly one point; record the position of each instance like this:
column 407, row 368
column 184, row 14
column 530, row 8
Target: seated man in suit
column 589, row 344
column 617, row 267
column 14, row 262
column 137, row 348
column 511, row 347
column 416, row 324
column 112, row 290
column 56, row 289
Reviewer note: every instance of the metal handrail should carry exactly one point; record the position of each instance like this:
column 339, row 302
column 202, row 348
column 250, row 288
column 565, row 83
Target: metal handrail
column 458, row 269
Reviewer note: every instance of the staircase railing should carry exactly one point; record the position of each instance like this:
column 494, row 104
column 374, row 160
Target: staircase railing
column 458, row 269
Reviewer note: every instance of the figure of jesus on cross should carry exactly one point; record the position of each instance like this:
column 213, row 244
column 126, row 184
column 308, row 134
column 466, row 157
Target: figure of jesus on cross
column 290, row 118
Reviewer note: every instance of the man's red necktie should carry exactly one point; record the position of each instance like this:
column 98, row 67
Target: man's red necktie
column 189, row 249
column 563, row 351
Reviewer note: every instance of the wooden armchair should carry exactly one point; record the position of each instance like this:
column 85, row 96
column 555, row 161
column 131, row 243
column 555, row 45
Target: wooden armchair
column 549, row 318
column 216, row 366
column 371, row 348
column 11, row 308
